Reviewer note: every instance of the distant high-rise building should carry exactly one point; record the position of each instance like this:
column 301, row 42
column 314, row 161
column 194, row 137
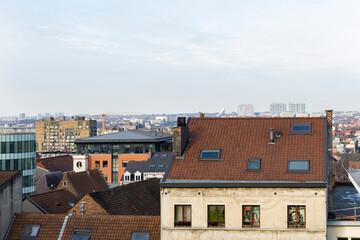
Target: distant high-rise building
column 22, row 116
column 60, row 135
column 245, row 110
column 39, row 117
column 276, row 108
column 297, row 107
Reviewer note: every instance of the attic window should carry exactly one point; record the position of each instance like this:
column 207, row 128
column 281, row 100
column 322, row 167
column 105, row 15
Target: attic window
column 254, row 164
column 161, row 167
column 300, row 128
column 30, row 231
column 210, row 154
column 140, row 236
column 298, row 165
column 156, row 156
column 81, row 234
column 163, row 156
column 152, row 167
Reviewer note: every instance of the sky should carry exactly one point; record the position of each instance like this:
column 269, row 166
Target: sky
column 114, row 56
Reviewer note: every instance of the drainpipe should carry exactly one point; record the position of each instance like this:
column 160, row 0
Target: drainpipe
column 331, row 174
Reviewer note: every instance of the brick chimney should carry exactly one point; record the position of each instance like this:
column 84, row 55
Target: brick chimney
column 331, row 174
column 180, row 137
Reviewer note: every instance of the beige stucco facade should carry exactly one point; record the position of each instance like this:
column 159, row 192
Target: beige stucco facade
column 343, row 229
column 273, row 204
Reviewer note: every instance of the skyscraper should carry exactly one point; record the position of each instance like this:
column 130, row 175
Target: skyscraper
column 245, row 110
column 297, row 107
column 276, row 108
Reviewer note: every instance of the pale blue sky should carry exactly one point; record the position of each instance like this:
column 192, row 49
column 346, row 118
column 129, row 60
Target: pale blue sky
column 177, row 56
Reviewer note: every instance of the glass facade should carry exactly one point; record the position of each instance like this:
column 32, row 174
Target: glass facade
column 18, row 152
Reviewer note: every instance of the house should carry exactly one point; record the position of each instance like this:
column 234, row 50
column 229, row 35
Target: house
column 248, row 178
column 139, row 198
column 53, row 164
column 81, row 183
column 61, row 227
column 48, row 181
column 10, row 198
column 157, row 166
column 53, row 202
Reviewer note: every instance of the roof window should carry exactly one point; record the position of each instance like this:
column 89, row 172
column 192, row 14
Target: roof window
column 156, row 156
column 300, row 128
column 140, row 236
column 210, row 154
column 30, row 231
column 152, row 167
column 161, row 167
column 254, row 164
column 81, row 234
column 298, row 165
column 163, row 156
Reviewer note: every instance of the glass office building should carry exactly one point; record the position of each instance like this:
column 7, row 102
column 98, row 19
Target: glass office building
column 18, row 153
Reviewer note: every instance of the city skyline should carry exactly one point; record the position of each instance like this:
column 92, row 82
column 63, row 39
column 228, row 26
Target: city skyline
column 178, row 56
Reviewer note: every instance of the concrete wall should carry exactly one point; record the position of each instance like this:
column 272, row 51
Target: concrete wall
column 273, row 212
column 10, row 202
column 343, row 229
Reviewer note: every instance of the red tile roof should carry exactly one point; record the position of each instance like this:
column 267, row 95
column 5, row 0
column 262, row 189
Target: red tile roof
column 54, row 202
column 6, row 176
column 243, row 138
column 87, row 181
column 59, row 163
column 102, row 227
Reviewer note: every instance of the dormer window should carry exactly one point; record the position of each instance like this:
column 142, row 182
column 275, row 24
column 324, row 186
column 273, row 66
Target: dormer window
column 137, row 177
column 254, row 164
column 163, row 156
column 301, row 128
column 156, row 156
column 210, row 154
column 152, row 167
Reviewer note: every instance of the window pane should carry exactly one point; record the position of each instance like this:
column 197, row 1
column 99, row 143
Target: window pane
column 254, row 164
column 306, row 127
column 299, row 165
column 140, row 236
column 178, row 213
column 212, row 213
column 187, row 213
column 256, row 216
column 210, row 154
column 246, row 214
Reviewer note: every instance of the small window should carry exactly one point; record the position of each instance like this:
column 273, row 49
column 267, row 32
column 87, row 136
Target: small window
column 138, row 178
column 182, row 216
column 251, row 216
column 71, row 204
column 254, row 164
column 97, row 164
column 140, row 236
column 64, row 183
column 156, row 156
column 152, row 167
column 127, row 178
column 301, row 128
column 124, row 164
column 105, row 164
column 79, row 165
column 216, row 216
column 81, row 234
column 161, row 167
column 296, row 216
column 215, row 154
column 298, row 165
column 30, row 231
column 163, row 156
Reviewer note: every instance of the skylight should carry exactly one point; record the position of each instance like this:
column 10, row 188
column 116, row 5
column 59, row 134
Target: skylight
column 299, row 165
column 81, row 234
column 30, row 231
column 301, row 128
column 152, row 167
column 156, row 156
column 254, row 164
column 140, row 236
column 163, row 156
column 160, row 167
column 213, row 154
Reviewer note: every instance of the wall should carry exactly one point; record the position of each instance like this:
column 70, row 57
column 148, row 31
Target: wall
column 343, row 229
column 130, row 157
column 10, row 202
column 29, row 207
column 91, row 208
column 101, row 157
column 68, row 184
column 273, row 212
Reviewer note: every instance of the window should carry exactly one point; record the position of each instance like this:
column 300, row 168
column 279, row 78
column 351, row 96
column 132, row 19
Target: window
column 30, row 231
column 127, row 178
column 216, row 216
column 152, row 167
column 300, row 128
column 296, row 217
column 298, row 165
column 124, row 164
column 163, row 156
column 79, row 165
column 161, row 167
column 251, row 216
column 182, row 215
column 140, row 236
column 138, row 178
column 64, row 183
column 254, row 164
column 81, row 234
column 105, row 178
column 105, row 164
column 156, row 156
column 213, row 154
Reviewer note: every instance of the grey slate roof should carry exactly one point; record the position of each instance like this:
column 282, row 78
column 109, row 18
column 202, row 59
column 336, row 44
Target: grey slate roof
column 134, row 166
column 127, row 136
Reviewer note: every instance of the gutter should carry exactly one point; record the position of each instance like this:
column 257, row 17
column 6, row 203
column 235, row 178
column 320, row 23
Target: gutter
column 234, row 184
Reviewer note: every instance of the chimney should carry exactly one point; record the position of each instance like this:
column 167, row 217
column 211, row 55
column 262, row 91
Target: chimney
column 180, row 137
column 331, row 174
column 82, row 210
column 202, row 115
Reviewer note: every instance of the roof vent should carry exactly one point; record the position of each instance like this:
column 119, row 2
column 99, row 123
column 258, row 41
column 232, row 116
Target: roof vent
column 271, row 136
column 82, row 211
column 277, row 135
